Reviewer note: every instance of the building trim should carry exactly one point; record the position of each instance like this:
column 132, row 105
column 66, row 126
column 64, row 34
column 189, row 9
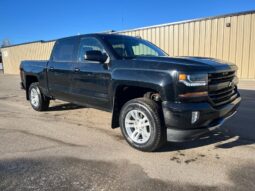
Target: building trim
column 188, row 21
column 38, row 41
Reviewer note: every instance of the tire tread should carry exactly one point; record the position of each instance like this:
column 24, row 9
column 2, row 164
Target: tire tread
column 156, row 113
column 44, row 101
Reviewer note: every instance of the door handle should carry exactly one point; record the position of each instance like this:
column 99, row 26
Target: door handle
column 76, row 69
column 90, row 74
column 51, row 68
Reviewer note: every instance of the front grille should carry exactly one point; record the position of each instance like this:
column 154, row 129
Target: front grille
column 215, row 78
column 222, row 89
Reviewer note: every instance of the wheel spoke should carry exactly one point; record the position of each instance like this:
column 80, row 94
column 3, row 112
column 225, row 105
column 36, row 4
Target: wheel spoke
column 137, row 126
column 130, row 126
column 135, row 135
column 134, row 114
column 145, row 134
column 146, row 124
column 145, row 119
column 130, row 121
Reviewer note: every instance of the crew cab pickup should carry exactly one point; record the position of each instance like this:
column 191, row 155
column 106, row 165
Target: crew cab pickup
column 153, row 98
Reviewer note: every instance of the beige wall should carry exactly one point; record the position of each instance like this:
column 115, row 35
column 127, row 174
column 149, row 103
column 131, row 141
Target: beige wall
column 208, row 38
column 204, row 37
column 12, row 56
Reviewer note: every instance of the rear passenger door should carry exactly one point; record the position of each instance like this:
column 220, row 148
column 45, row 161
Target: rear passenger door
column 91, row 79
column 61, row 68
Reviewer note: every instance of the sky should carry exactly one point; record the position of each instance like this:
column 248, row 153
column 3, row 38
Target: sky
column 30, row 20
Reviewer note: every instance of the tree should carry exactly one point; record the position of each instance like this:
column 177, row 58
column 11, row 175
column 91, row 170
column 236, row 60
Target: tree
column 5, row 42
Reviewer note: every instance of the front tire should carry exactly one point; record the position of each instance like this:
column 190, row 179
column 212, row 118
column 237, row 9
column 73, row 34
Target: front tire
column 37, row 100
column 141, row 124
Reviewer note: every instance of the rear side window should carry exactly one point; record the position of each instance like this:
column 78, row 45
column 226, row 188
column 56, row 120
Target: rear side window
column 64, row 50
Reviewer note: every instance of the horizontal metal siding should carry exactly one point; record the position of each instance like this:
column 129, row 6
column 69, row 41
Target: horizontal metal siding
column 251, row 73
column 12, row 56
column 209, row 38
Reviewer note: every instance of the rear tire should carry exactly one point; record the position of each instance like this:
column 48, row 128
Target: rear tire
column 38, row 101
column 141, row 124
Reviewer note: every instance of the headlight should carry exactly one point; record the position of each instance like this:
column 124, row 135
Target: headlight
column 194, row 79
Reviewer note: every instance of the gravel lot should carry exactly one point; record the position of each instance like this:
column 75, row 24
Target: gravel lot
column 74, row 148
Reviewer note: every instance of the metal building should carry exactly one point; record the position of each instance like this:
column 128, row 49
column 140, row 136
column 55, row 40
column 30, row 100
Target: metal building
column 228, row 37
column 13, row 55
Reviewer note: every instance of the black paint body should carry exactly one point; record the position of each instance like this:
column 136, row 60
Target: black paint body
column 95, row 84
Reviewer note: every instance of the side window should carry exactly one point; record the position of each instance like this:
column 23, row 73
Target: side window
column 142, row 50
column 87, row 44
column 120, row 49
column 64, row 50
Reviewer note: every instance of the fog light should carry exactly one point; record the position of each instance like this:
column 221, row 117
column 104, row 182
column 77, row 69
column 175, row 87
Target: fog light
column 194, row 116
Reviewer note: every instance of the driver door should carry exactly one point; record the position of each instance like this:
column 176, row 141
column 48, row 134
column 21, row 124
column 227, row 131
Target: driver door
column 91, row 78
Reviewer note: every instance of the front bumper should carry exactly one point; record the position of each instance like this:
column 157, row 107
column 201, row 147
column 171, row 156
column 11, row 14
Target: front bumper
column 177, row 118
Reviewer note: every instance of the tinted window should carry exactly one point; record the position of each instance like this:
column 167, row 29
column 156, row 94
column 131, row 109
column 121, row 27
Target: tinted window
column 87, row 44
column 129, row 47
column 64, row 50
column 143, row 50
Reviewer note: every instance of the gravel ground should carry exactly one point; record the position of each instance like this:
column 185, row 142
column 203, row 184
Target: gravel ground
column 74, row 148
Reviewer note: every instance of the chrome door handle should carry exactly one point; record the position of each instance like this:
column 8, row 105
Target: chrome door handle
column 76, row 69
column 51, row 68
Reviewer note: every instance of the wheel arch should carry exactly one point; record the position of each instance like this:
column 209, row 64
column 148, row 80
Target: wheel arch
column 126, row 92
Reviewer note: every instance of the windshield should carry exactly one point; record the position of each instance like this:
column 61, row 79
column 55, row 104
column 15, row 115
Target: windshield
column 130, row 47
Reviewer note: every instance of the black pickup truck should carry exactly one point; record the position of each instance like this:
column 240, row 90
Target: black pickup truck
column 154, row 98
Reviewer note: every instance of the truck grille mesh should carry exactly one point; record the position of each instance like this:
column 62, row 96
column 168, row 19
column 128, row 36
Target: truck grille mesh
column 222, row 90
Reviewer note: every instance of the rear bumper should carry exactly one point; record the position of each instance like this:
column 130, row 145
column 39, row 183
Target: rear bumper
column 177, row 118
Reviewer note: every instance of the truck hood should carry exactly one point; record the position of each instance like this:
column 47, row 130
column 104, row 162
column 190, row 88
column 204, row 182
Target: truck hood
column 188, row 63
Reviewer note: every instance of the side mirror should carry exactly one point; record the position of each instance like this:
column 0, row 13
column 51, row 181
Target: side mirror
column 95, row 55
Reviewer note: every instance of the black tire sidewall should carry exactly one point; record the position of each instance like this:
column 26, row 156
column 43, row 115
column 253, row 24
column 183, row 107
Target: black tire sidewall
column 151, row 117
